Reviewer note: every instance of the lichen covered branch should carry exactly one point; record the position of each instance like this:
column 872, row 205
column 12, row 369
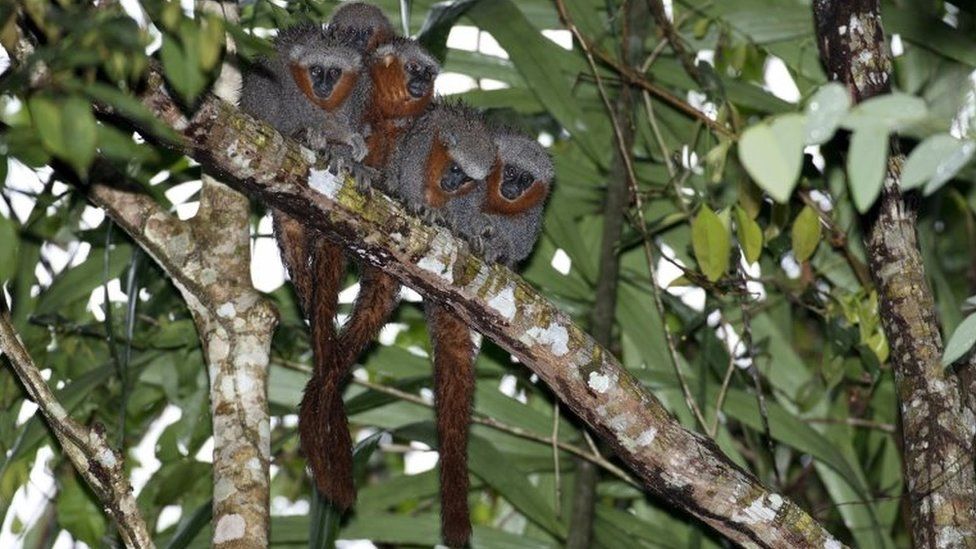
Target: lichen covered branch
column 681, row 466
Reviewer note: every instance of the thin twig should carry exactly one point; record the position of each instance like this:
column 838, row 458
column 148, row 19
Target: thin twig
column 555, row 458
column 639, row 205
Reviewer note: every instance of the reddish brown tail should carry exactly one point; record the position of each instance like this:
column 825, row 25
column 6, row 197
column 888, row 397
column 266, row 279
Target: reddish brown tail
column 293, row 244
column 454, row 377
column 322, row 424
column 376, row 302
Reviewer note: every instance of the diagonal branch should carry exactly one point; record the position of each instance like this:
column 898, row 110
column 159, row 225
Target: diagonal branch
column 87, row 448
column 683, row 467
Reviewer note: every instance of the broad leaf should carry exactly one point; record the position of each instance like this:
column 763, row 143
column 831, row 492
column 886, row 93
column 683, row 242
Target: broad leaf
column 866, row 161
column 711, row 242
column 772, row 153
column 961, row 341
column 749, row 234
column 806, row 234
column 935, row 161
column 824, row 111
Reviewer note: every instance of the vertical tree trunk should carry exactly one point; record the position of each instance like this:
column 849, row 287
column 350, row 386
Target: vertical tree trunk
column 936, row 426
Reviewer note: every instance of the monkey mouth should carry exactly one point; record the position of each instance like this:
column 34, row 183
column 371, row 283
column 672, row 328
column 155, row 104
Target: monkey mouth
column 511, row 191
column 418, row 87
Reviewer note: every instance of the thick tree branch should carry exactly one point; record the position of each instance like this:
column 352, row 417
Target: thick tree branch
column 87, row 448
column 937, row 426
column 681, row 466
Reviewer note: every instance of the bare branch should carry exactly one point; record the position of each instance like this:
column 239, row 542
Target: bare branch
column 87, row 448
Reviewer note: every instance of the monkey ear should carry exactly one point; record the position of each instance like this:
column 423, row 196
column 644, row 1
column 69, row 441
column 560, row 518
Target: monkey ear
column 388, row 60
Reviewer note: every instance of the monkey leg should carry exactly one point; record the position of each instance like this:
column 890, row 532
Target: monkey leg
column 322, row 424
column 454, row 377
column 375, row 303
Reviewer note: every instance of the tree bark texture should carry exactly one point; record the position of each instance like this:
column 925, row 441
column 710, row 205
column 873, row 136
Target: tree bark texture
column 683, row 467
column 937, row 425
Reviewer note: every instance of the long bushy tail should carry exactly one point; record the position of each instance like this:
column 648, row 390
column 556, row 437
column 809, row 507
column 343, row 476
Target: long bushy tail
column 454, row 380
column 322, row 424
column 374, row 305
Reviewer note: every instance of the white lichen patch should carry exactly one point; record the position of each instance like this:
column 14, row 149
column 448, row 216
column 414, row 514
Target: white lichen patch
column 598, row 382
column 324, row 182
column 308, row 155
column 208, row 276
column 440, row 258
column 620, row 424
column 251, row 352
column 832, row 543
column 758, row 511
column 647, row 437
column 554, row 335
column 106, row 457
column 223, row 488
column 227, row 310
column 504, row 302
column 950, row 536
column 217, row 349
column 229, row 528
column 476, row 339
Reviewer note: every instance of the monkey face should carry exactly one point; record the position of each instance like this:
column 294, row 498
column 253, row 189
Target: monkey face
column 420, row 78
column 323, row 80
column 403, row 78
column 325, row 74
column 454, row 178
column 524, row 178
column 515, row 182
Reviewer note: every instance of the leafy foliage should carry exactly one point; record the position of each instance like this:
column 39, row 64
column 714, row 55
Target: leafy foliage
column 798, row 312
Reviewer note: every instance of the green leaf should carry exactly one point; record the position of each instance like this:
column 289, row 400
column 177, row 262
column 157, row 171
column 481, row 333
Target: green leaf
column 9, row 246
column 78, row 513
column 67, row 129
column 824, row 111
column 935, row 161
column 866, row 160
column 961, row 341
column 806, row 234
column 492, row 466
column 772, row 153
column 182, row 70
column 750, row 235
column 132, row 108
column 892, row 111
column 440, row 19
column 711, row 242
column 77, row 283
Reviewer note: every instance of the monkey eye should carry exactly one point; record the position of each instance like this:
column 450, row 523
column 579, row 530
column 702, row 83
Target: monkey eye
column 525, row 181
column 455, row 168
column 316, row 72
column 509, row 173
column 334, row 73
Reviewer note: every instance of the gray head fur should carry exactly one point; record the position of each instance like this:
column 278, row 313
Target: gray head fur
column 467, row 139
column 271, row 93
column 360, row 25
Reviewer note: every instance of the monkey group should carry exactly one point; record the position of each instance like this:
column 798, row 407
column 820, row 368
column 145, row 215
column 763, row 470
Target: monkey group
column 359, row 93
